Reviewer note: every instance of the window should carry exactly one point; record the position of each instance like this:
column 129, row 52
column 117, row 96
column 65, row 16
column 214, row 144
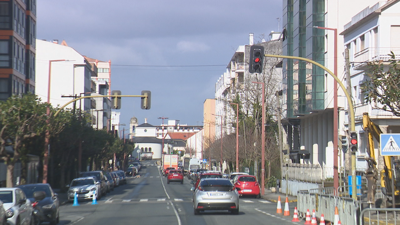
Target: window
column 362, row 42
column 5, row 22
column 4, row 54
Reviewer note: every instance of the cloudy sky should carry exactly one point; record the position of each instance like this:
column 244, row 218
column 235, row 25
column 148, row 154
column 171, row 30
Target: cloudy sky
column 177, row 49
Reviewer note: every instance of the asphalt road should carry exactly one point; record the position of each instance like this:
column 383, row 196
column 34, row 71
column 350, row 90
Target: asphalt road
column 150, row 200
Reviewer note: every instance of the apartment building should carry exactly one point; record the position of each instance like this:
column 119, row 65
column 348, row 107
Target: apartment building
column 17, row 47
column 370, row 36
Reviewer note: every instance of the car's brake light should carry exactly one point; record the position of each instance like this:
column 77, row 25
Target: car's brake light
column 256, row 184
column 233, row 207
column 34, row 204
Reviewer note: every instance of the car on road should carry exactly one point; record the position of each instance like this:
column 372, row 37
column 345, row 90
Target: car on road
column 215, row 194
column 109, row 182
column 115, row 177
column 131, row 171
column 175, row 176
column 100, row 180
column 84, row 188
column 46, row 205
column 18, row 207
column 233, row 175
column 247, row 185
column 3, row 216
column 122, row 177
column 207, row 175
column 166, row 170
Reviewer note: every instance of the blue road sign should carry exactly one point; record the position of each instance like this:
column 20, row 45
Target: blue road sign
column 204, row 160
column 390, row 144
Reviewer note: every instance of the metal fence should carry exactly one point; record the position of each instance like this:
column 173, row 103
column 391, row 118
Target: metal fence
column 379, row 216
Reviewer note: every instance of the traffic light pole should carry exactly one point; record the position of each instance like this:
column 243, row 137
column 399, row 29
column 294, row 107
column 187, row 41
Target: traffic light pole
column 98, row 96
column 351, row 112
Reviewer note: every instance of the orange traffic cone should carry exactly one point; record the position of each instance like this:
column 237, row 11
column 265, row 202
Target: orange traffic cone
column 308, row 218
column 295, row 218
column 313, row 219
column 322, row 220
column 286, row 211
column 279, row 206
column 336, row 218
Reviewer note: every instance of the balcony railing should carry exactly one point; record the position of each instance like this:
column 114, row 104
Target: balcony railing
column 375, row 54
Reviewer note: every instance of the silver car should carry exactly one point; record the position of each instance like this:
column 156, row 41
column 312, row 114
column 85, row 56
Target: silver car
column 84, row 187
column 215, row 194
column 3, row 217
column 18, row 208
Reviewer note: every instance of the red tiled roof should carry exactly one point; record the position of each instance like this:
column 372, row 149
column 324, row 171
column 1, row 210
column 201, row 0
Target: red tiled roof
column 178, row 135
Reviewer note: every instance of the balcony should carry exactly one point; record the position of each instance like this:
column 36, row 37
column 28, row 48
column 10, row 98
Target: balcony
column 374, row 54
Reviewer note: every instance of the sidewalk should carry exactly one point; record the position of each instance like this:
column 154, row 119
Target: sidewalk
column 273, row 196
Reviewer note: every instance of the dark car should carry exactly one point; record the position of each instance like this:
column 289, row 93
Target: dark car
column 44, row 201
column 99, row 177
column 131, row 171
column 122, row 176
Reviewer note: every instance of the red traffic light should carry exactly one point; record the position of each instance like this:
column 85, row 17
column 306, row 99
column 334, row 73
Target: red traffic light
column 353, row 141
column 257, row 60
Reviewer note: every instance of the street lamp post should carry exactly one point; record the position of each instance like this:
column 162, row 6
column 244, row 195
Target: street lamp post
column 262, row 139
column 335, row 112
column 162, row 130
column 237, row 135
column 47, row 133
column 221, row 160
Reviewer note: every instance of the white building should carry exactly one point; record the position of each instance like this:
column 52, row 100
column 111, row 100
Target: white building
column 370, row 36
column 70, row 74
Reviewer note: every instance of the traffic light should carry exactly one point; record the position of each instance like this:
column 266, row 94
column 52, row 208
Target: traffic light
column 145, row 101
column 256, row 59
column 116, row 100
column 353, row 141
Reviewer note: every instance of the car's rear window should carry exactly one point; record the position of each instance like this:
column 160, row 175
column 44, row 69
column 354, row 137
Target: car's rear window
column 216, row 185
column 29, row 190
column 174, row 171
column 6, row 196
column 248, row 179
column 82, row 182
column 210, row 176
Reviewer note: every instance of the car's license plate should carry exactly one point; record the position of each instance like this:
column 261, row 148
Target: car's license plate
column 216, row 194
column 175, row 175
column 247, row 190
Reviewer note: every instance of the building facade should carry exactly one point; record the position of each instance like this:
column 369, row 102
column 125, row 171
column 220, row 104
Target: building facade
column 17, row 47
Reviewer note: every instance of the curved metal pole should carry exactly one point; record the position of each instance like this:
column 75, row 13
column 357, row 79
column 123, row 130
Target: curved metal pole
column 351, row 111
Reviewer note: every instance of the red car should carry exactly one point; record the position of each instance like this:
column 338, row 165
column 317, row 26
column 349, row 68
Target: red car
column 248, row 185
column 166, row 170
column 175, row 175
column 206, row 175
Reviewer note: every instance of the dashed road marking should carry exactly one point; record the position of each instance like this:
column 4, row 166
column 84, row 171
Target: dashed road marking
column 178, row 200
column 161, row 200
column 248, row 201
column 264, row 201
column 144, row 200
column 126, row 200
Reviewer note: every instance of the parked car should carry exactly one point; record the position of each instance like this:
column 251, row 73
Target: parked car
column 131, row 171
column 116, row 178
column 44, row 201
column 215, row 194
column 109, row 183
column 110, row 180
column 137, row 165
column 207, row 175
column 99, row 176
column 18, row 208
column 122, row 176
column 247, row 185
column 84, row 187
column 3, row 216
column 175, row 176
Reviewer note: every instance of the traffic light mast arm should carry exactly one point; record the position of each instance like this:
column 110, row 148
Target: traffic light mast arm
column 349, row 101
column 97, row 96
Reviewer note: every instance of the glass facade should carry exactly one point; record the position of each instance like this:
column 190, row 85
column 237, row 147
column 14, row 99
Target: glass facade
column 304, row 82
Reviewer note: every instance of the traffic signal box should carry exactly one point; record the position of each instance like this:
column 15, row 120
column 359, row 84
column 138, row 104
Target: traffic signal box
column 256, row 59
column 116, row 100
column 145, row 101
column 353, row 141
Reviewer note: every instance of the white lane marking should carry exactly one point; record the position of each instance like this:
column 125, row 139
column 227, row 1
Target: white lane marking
column 264, row 201
column 248, row 201
column 161, row 200
column 126, row 200
column 77, row 221
column 269, row 214
column 176, row 214
column 151, row 176
column 108, row 201
column 178, row 200
column 144, row 200
column 165, row 190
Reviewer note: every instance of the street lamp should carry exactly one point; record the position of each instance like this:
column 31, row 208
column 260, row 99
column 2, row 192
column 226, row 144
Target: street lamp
column 262, row 139
column 47, row 133
column 162, row 134
column 221, row 161
column 237, row 135
column 335, row 114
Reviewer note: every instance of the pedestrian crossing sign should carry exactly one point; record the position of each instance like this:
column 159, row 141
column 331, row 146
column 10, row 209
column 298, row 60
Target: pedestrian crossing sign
column 390, row 144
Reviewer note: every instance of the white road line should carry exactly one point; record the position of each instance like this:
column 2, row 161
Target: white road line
column 178, row 200
column 144, row 200
column 161, row 200
column 248, row 201
column 264, row 201
column 151, row 176
column 176, row 214
column 126, row 200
